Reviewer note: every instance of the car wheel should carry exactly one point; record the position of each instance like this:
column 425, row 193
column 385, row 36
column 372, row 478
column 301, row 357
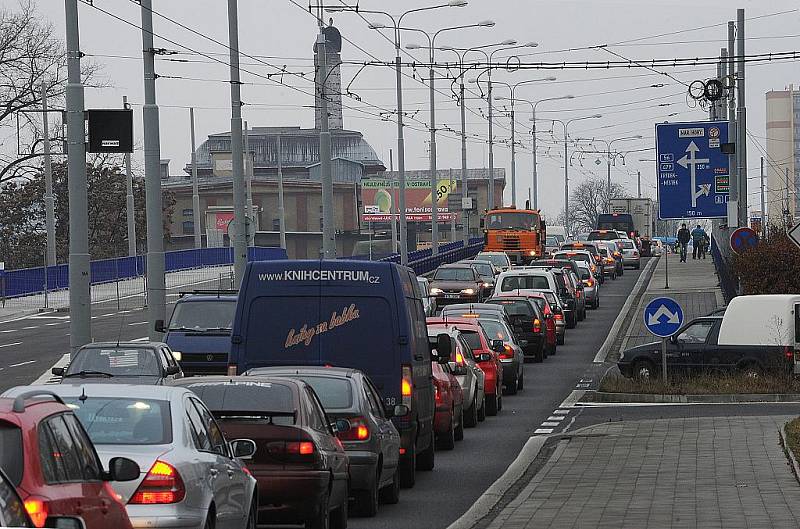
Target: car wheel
column 321, row 519
column 638, row 266
column 339, row 517
column 614, row 276
column 482, row 411
column 391, row 495
column 211, row 519
column 540, row 356
column 521, row 382
column 499, row 403
column 252, row 517
column 511, row 387
column 572, row 322
column 471, row 418
column 427, row 458
column 644, row 370
column 459, row 433
column 447, row 440
column 408, row 469
column 491, row 405
column 366, row 501
column 560, row 339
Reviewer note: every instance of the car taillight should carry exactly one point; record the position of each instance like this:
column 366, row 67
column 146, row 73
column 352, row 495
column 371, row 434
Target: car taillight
column 359, row 430
column 589, row 282
column 507, row 353
column 407, row 385
column 161, row 485
column 37, row 510
column 537, row 325
column 232, row 370
column 788, row 352
column 560, row 317
column 437, row 394
column 459, row 358
column 298, row 451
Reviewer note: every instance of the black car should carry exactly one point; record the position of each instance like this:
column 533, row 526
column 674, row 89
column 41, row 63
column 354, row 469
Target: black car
column 528, row 324
column 121, row 362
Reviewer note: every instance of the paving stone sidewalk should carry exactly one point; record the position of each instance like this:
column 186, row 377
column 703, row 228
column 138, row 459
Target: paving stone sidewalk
column 704, row 473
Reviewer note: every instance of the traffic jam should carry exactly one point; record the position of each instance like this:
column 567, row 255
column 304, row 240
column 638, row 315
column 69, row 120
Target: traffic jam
column 316, row 392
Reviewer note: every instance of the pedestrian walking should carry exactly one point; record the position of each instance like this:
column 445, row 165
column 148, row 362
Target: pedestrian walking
column 683, row 240
column 706, row 245
column 698, row 236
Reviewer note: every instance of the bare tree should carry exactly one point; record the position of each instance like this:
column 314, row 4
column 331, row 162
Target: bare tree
column 31, row 56
column 588, row 200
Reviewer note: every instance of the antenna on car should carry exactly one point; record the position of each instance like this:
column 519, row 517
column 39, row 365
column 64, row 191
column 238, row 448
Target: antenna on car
column 83, row 396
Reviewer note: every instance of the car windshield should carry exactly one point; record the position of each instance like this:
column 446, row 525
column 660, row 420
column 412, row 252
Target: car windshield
column 524, row 282
column 514, row 307
column 123, row 420
column 204, row 315
column 484, row 269
column 584, row 273
column 551, row 241
column 116, row 361
column 496, row 259
column 454, row 274
column 11, row 452
column 513, row 221
column 496, row 330
column 251, row 400
column 334, row 393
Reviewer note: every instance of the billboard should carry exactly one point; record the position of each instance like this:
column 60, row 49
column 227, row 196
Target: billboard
column 379, row 197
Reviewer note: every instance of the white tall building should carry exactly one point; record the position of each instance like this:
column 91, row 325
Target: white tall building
column 783, row 154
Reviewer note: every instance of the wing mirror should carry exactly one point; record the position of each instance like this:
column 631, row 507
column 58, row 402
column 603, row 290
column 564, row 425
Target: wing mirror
column 458, row 369
column 341, row 426
column 498, row 346
column 243, row 448
column 122, row 469
column 484, row 357
column 444, row 348
column 58, row 371
column 160, row 327
column 64, row 522
column 401, row 410
column 172, row 370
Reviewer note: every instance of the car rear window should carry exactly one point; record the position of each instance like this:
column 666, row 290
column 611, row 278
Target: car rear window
column 454, row 274
column 628, row 245
column 11, row 454
column 473, row 339
column 514, row 307
column 334, row 393
column 252, row 399
column 495, row 330
column 584, row 273
column 123, row 421
column 576, row 256
column 117, row 361
column 524, row 282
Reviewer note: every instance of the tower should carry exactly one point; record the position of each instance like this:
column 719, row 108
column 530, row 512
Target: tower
column 333, row 83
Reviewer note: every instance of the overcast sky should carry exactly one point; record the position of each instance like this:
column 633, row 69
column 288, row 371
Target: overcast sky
column 280, row 32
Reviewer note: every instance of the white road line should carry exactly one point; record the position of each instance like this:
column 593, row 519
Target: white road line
column 11, row 344
column 30, row 327
column 557, row 418
column 8, row 330
column 138, row 323
column 572, row 398
column 542, row 431
column 142, row 339
column 47, row 377
column 54, row 323
column 550, row 424
column 23, row 363
column 562, row 412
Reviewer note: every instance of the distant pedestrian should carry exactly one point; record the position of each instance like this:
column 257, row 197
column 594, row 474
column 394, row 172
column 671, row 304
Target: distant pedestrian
column 706, row 245
column 698, row 236
column 683, row 240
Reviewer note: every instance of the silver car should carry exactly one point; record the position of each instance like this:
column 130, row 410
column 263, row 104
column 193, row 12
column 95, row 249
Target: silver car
column 428, row 301
column 591, row 287
column 470, row 376
column 190, row 475
column 630, row 254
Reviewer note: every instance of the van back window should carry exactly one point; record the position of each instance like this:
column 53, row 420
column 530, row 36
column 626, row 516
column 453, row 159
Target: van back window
column 524, row 282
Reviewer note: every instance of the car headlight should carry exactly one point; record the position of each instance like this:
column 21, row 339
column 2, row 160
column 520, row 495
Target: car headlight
column 436, row 291
column 468, row 291
column 532, row 253
column 487, row 285
column 177, row 355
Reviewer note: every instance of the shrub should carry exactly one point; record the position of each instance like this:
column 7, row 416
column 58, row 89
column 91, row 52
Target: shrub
column 773, row 267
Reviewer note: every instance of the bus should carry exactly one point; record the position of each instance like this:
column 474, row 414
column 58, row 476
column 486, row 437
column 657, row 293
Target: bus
column 520, row 233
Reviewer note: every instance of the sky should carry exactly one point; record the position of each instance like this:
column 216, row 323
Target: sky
column 274, row 34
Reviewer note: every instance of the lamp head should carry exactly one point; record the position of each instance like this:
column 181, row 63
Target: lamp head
column 413, row 46
column 457, row 3
column 509, row 42
column 485, row 24
column 597, row 116
column 531, row 44
column 377, row 25
column 551, row 78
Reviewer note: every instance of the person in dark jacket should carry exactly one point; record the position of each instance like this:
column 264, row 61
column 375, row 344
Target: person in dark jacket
column 683, row 240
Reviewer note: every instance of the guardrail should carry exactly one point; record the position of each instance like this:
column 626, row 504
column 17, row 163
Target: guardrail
column 727, row 281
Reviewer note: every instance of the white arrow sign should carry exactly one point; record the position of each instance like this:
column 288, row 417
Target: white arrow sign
column 690, row 161
column 794, row 234
column 655, row 318
column 702, row 189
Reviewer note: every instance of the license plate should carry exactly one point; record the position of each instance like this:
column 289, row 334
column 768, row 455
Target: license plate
column 451, row 296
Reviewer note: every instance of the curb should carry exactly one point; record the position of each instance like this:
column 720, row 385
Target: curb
column 638, row 289
column 647, row 398
column 787, row 449
column 515, row 471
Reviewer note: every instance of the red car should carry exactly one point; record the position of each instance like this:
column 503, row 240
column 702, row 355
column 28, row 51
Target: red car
column 448, row 421
column 488, row 360
column 50, row 459
column 550, row 317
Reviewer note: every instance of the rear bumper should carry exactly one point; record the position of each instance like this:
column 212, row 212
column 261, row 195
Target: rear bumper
column 442, row 420
column 286, row 497
column 175, row 516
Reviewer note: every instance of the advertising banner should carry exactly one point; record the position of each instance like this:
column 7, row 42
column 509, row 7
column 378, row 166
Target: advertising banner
column 380, row 198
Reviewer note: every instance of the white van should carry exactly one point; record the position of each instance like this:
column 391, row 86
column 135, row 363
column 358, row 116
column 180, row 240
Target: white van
column 526, row 279
column 770, row 319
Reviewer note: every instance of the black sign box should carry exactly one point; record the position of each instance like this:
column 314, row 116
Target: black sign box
column 110, row 130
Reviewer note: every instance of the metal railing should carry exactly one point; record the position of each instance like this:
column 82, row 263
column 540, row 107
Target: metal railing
column 727, row 281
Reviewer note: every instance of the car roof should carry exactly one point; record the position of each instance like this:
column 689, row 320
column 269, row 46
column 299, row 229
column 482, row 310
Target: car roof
column 188, row 298
column 469, row 306
column 105, row 390
column 338, row 372
column 438, row 320
column 135, row 345
column 36, row 408
column 455, row 265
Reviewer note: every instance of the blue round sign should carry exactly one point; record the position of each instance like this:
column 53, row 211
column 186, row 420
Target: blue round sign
column 743, row 239
column 663, row 317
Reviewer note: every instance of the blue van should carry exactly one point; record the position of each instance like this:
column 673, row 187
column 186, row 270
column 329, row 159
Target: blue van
column 358, row 314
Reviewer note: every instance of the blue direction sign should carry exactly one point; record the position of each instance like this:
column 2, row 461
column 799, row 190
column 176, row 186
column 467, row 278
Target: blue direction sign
column 693, row 172
column 663, row 317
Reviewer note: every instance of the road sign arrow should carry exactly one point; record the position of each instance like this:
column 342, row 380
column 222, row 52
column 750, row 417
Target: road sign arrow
column 702, row 189
column 794, row 235
column 655, row 318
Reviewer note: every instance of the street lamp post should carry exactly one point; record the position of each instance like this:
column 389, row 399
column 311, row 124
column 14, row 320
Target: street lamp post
column 401, row 161
column 610, row 157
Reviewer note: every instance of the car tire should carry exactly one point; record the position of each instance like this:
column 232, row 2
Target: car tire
column 338, row 518
column 614, row 276
column 252, row 517
column 560, row 339
column 644, row 370
column 459, row 433
column 471, row 417
column 572, row 322
column 426, row 459
column 447, row 440
column 321, row 519
column 491, row 405
column 366, row 501
column 408, row 469
column 211, row 519
column 638, row 266
column 540, row 356
column 390, row 495
column 511, row 387
column 482, row 412
column 521, row 382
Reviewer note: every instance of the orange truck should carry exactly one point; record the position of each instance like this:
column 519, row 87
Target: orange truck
column 520, row 233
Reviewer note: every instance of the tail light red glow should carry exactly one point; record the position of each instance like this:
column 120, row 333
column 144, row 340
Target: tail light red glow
column 537, row 325
column 359, row 430
column 589, row 282
column 232, row 370
column 161, row 485
column 507, row 353
column 37, row 510
column 407, row 384
column 788, row 352
column 560, row 317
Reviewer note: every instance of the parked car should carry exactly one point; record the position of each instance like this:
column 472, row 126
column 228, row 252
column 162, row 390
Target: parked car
column 457, row 283
column 591, row 287
column 488, row 360
column 372, row 442
column 428, row 301
column 630, row 255
column 528, row 324
column 359, row 314
column 52, row 462
column 499, row 259
column 301, row 467
column 449, row 418
column 121, row 363
column 511, row 355
column 464, row 367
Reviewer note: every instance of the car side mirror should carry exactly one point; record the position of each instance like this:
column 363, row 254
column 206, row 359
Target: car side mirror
column 172, row 370
column 400, row 410
column 484, row 357
column 122, row 469
column 58, row 371
column 64, row 522
column 243, row 448
column 498, row 346
column 160, row 327
column 444, row 348
column 341, row 426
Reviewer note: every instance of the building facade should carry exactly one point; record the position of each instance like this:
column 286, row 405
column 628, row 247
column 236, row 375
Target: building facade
column 783, row 155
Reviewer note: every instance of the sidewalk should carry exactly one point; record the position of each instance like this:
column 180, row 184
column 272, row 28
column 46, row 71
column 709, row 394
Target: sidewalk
column 705, row 473
column 693, row 284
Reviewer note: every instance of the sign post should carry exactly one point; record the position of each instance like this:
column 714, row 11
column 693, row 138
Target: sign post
column 663, row 317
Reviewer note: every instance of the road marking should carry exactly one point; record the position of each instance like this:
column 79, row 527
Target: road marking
column 54, row 323
column 9, row 330
column 550, row 424
column 542, row 431
column 557, row 418
column 11, row 344
column 142, row 339
column 572, row 398
column 562, row 412
column 30, row 327
column 138, row 323
column 23, row 363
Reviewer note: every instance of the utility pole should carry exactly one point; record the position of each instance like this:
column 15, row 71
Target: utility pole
column 79, row 299
column 130, row 208
column 281, row 207
column 608, row 183
column 733, row 136
column 328, row 228
column 156, row 288
column 401, row 156
column 198, row 238
column 393, row 194
column 491, row 146
column 513, row 155
column 49, row 201
column 434, row 177
column 566, row 182
column 464, row 171
column 763, row 202
column 535, row 175
column 639, row 184
column 240, row 224
column 742, row 119
column 251, row 212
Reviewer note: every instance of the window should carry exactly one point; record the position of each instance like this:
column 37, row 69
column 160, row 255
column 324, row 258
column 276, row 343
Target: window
column 697, row 333
column 58, row 453
column 335, row 393
column 119, row 362
column 315, row 413
column 515, row 307
column 85, row 451
column 202, row 316
column 199, row 432
column 374, row 399
column 276, row 224
column 472, row 339
column 12, row 511
column 11, row 453
column 525, row 282
column 124, row 420
column 454, row 274
column 188, row 227
column 188, row 212
column 215, row 436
